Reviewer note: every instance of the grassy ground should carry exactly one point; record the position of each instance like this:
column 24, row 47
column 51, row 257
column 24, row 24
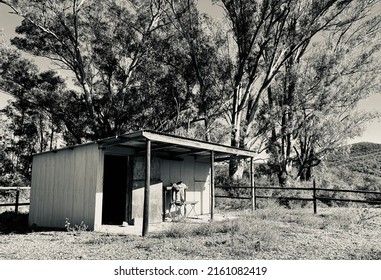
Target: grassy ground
column 272, row 233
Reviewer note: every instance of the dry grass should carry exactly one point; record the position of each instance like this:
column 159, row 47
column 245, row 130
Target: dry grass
column 270, row 233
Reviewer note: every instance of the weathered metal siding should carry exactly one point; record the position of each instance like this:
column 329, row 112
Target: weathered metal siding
column 202, row 186
column 156, row 191
column 195, row 175
column 69, row 184
column 155, row 200
column 64, row 185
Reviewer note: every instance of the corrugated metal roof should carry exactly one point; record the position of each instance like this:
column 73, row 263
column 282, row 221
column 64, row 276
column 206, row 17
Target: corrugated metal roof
column 173, row 145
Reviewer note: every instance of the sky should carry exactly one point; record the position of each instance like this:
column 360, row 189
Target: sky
column 372, row 132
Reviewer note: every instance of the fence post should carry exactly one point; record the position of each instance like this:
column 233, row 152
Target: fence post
column 147, row 187
column 17, row 201
column 212, row 173
column 252, row 185
column 314, row 196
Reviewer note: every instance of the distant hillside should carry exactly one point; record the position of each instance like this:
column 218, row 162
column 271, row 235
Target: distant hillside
column 365, row 148
column 363, row 158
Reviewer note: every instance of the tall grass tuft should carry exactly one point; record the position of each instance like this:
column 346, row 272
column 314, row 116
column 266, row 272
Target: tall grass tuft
column 181, row 230
column 178, row 230
column 225, row 227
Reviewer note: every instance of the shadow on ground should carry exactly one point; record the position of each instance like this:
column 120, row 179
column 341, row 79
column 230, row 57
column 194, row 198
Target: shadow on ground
column 10, row 223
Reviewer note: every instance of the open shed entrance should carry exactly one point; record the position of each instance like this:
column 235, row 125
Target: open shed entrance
column 148, row 146
column 115, row 185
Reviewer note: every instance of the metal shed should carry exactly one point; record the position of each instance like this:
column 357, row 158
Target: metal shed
column 123, row 178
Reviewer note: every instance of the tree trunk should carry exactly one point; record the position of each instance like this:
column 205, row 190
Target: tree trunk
column 41, row 134
column 282, row 178
column 206, row 124
column 51, row 137
column 306, row 174
column 235, row 165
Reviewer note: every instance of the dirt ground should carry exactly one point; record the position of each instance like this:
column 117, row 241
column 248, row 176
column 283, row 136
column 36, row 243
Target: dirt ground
column 274, row 234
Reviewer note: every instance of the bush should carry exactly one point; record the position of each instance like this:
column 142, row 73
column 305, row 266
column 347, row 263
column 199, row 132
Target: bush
column 76, row 228
column 14, row 180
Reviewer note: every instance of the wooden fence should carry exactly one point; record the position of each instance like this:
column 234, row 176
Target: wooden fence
column 253, row 195
column 314, row 197
column 17, row 202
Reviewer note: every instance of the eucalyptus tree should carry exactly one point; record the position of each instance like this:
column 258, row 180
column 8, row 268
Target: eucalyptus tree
column 34, row 116
column 310, row 108
column 266, row 34
column 103, row 44
column 203, row 43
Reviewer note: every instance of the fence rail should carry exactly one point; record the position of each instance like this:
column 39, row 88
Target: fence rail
column 17, row 202
column 314, row 198
column 237, row 197
column 349, row 191
column 285, row 188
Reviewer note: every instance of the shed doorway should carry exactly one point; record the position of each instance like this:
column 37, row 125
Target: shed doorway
column 116, row 199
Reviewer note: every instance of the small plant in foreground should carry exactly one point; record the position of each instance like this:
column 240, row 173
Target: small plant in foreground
column 365, row 215
column 76, row 228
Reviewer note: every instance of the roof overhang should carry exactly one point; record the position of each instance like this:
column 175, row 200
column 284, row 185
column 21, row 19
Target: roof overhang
column 174, row 146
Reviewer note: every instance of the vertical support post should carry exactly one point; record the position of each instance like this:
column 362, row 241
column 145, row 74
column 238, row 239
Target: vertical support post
column 212, row 185
column 147, row 189
column 17, row 201
column 314, row 196
column 252, row 185
column 164, row 202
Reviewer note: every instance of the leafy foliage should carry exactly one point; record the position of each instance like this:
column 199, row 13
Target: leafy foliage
column 127, row 61
column 257, row 77
column 310, row 109
column 35, row 116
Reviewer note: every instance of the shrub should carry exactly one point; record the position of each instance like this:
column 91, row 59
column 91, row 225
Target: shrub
column 76, row 228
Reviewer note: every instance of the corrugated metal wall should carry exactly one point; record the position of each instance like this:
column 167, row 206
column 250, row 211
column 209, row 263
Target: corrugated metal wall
column 202, row 186
column 156, row 190
column 69, row 184
column 64, row 185
column 195, row 174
